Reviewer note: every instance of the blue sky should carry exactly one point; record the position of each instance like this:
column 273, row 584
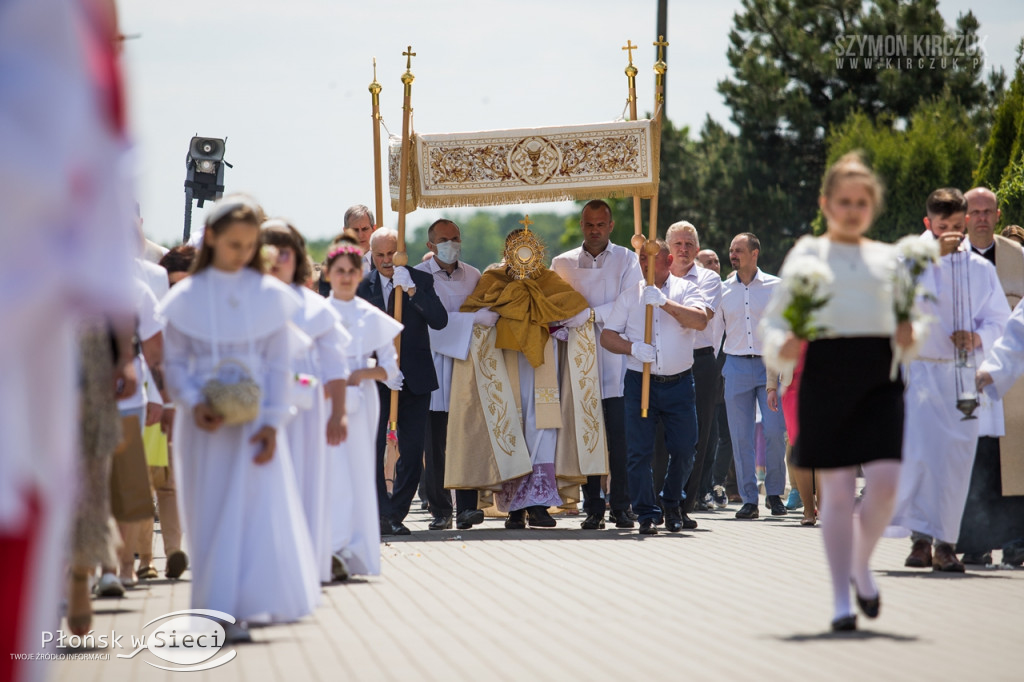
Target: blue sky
column 286, row 82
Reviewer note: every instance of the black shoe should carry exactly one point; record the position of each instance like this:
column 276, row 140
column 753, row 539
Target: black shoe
column 441, row 522
column 1013, row 553
column 632, row 514
column 516, row 520
column 688, row 523
column 540, row 518
column 469, row 518
column 399, row 528
column 621, row 519
column 775, row 503
column 385, row 527
column 177, row 562
column 977, row 558
column 647, row 527
column 748, row 511
column 700, row 506
column 869, row 607
column 845, row 624
column 424, row 505
column 594, row 522
column 673, row 520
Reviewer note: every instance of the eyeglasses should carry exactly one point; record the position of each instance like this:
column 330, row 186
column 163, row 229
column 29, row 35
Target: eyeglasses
column 986, row 212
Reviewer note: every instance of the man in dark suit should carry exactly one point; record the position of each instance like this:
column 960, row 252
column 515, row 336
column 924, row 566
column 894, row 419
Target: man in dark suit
column 421, row 308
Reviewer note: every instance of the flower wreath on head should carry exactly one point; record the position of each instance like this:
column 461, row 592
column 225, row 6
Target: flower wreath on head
column 344, row 250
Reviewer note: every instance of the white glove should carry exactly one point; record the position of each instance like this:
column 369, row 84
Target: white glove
column 644, row 352
column 653, row 296
column 485, row 317
column 578, row 320
column 395, row 382
column 562, row 334
column 402, row 278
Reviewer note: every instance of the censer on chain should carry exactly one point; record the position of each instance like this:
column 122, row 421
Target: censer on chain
column 963, row 320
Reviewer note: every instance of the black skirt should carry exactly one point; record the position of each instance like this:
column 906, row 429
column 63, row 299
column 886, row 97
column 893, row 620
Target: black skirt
column 849, row 411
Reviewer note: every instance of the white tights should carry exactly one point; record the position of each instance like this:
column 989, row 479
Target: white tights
column 850, row 537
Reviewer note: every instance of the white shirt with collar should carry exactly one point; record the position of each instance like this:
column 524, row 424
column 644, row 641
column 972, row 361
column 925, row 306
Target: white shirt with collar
column 710, row 286
column 742, row 307
column 672, row 342
column 602, row 279
column 452, row 342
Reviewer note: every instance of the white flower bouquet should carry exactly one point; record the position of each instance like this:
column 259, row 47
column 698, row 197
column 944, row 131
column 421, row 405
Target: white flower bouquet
column 915, row 255
column 806, row 280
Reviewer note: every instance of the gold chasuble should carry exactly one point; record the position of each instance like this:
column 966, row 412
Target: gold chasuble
column 1010, row 269
column 486, row 441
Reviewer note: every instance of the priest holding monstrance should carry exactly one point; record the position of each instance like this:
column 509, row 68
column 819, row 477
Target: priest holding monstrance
column 526, row 425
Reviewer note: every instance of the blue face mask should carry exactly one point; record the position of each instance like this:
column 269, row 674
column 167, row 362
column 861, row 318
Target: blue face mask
column 448, row 252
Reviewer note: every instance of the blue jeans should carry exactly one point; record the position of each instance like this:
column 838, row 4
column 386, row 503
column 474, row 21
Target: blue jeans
column 745, row 381
column 674, row 404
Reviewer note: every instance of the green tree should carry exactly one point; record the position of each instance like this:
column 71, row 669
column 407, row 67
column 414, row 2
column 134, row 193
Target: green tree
column 794, row 80
column 935, row 150
column 1002, row 160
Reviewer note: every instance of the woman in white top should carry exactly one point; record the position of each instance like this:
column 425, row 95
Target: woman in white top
column 322, row 361
column 355, row 522
column 850, row 412
column 251, row 554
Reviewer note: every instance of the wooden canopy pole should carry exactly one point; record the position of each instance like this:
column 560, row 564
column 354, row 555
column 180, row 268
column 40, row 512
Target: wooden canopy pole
column 651, row 248
column 378, row 181
column 401, row 258
column 637, row 240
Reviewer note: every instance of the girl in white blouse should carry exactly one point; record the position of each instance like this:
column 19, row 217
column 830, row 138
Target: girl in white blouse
column 850, row 411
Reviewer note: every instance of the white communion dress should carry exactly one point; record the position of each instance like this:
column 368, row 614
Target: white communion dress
column 355, row 518
column 248, row 540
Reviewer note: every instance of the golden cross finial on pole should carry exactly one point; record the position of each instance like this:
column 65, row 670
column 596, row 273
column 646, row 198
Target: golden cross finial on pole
column 526, row 222
column 629, row 47
column 409, row 54
column 661, row 44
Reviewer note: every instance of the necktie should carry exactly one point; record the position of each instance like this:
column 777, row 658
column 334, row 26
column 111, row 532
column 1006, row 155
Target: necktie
column 389, row 298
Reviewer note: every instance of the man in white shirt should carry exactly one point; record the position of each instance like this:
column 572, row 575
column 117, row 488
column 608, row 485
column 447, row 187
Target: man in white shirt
column 454, row 280
column 745, row 296
column 360, row 220
column 602, row 271
column 684, row 244
column 679, row 311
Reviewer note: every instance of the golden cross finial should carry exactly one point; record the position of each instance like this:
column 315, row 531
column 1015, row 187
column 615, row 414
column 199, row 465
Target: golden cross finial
column 374, row 68
column 409, row 54
column 661, row 44
column 629, row 48
column 526, row 222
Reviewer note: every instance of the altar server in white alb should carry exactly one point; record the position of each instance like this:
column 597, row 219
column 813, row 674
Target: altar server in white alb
column 227, row 327
column 601, row 271
column 355, row 518
column 454, row 280
column 968, row 315
column 318, row 365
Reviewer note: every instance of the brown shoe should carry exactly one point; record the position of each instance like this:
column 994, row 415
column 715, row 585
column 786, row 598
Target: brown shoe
column 920, row 555
column 945, row 560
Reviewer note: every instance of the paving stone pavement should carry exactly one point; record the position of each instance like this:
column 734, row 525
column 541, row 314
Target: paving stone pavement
column 732, row 600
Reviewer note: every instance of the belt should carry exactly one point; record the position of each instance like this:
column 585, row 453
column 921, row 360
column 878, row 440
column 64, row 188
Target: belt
column 670, row 378
column 706, row 350
column 743, row 356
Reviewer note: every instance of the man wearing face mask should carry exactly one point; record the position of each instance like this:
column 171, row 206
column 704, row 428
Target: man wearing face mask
column 453, row 282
